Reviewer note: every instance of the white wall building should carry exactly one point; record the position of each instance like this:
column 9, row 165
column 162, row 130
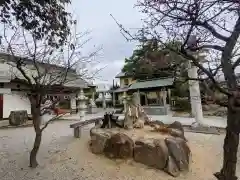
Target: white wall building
column 12, row 97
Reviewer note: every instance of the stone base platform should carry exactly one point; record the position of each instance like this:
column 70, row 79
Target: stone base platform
column 155, row 149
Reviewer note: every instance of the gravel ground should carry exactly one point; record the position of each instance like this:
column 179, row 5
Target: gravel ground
column 62, row 157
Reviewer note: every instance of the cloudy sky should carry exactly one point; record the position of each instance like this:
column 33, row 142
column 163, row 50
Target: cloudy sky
column 94, row 16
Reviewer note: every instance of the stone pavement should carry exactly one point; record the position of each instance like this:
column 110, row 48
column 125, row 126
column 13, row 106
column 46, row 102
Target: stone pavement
column 63, row 157
column 15, row 146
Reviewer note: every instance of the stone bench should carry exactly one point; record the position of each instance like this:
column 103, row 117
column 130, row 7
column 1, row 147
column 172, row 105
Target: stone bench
column 79, row 125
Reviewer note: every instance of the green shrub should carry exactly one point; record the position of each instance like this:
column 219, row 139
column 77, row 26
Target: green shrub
column 182, row 104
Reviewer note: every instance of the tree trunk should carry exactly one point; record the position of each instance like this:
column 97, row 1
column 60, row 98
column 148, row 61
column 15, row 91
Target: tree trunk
column 33, row 154
column 38, row 137
column 230, row 148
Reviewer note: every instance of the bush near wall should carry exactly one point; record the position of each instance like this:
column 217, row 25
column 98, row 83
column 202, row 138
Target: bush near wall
column 182, row 104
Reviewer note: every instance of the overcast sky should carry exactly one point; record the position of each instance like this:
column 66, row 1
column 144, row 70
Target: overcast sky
column 95, row 16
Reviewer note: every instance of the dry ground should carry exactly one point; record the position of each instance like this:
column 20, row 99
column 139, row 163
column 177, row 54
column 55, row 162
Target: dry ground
column 63, row 157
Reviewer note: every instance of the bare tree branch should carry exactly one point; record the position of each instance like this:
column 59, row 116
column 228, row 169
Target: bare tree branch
column 51, row 120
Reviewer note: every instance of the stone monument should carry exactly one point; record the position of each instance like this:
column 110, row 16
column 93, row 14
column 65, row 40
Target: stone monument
column 82, row 107
column 156, row 145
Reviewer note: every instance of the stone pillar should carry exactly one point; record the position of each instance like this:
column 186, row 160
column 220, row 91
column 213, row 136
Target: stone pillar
column 92, row 101
column 195, row 96
column 158, row 98
column 196, row 103
column 113, row 99
column 164, row 96
column 169, row 97
column 124, row 101
column 73, row 104
column 93, row 96
column 146, row 99
column 190, row 83
column 103, row 100
column 138, row 93
column 82, row 104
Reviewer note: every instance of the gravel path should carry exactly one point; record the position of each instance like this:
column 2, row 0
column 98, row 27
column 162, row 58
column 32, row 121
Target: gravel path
column 62, row 157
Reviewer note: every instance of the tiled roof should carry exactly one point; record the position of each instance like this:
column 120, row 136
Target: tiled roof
column 121, row 90
column 152, row 83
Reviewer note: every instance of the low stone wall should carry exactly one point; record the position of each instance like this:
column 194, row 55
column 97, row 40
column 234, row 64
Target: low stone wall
column 156, row 110
column 159, row 150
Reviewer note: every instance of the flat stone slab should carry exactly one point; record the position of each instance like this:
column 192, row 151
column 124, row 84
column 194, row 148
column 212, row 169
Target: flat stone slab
column 204, row 130
column 152, row 146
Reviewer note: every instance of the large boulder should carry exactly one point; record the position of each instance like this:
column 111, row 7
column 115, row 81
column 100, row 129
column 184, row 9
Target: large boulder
column 164, row 151
column 98, row 140
column 17, row 118
column 119, row 146
column 179, row 151
column 151, row 152
column 171, row 167
column 176, row 130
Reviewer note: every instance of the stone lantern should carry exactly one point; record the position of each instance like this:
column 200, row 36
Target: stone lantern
column 82, row 107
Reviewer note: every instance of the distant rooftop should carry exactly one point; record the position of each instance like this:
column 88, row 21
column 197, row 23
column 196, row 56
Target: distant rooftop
column 102, row 87
column 26, row 60
column 152, row 83
column 78, row 82
column 121, row 74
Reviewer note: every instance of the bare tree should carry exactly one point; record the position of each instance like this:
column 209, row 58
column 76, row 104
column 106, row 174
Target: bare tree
column 41, row 69
column 215, row 24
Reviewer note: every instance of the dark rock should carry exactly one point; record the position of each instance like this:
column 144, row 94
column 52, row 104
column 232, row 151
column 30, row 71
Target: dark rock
column 17, row 118
column 186, row 149
column 176, row 125
column 153, row 123
column 171, row 167
column 151, row 152
column 119, row 146
column 177, row 130
column 179, row 151
column 177, row 133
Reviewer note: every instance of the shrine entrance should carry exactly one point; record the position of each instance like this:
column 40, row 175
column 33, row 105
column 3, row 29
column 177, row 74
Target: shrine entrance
column 143, row 99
